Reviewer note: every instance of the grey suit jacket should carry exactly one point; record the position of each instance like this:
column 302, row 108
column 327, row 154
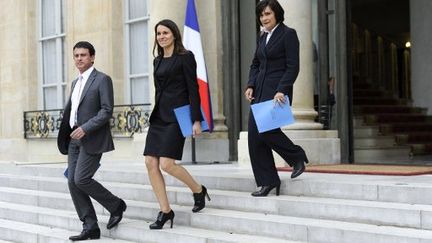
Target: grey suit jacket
column 94, row 113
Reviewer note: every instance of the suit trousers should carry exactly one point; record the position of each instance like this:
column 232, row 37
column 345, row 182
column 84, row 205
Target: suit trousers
column 261, row 156
column 81, row 169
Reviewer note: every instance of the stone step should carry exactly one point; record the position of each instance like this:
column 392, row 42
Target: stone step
column 413, row 137
column 14, row 231
column 290, row 228
column 386, row 118
column 378, row 213
column 358, row 121
column 138, row 230
column 368, row 93
column 4, row 241
column 368, row 101
column 378, row 109
column 327, row 185
column 393, row 128
column 384, row 154
column 366, row 131
column 378, row 141
column 361, row 84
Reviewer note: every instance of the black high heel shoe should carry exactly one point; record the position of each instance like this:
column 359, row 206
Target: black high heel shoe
column 161, row 220
column 199, row 199
column 299, row 167
column 265, row 190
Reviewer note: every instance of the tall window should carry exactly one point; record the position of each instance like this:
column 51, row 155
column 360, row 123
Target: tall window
column 137, row 46
column 51, row 53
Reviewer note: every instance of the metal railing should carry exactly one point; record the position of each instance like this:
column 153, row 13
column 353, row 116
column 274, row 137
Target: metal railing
column 324, row 116
column 125, row 121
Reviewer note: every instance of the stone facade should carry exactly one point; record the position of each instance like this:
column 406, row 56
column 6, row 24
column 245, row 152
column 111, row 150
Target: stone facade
column 102, row 23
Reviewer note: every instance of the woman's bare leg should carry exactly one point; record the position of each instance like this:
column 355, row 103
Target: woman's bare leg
column 158, row 183
column 169, row 166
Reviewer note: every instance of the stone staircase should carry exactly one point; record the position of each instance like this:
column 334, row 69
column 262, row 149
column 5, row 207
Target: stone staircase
column 387, row 129
column 35, row 206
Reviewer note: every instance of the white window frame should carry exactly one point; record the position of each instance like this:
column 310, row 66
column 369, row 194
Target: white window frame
column 128, row 75
column 59, row 37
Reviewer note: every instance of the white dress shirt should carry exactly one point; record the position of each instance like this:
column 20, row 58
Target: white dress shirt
column 76, row 95
column 270, row 33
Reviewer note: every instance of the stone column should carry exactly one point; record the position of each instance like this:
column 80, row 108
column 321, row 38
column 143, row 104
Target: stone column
column 421, row 53
column 210, row 20
column 18, row 74
column 368, row 53
column 105, row 33
column 298, row 15
column 406, row 72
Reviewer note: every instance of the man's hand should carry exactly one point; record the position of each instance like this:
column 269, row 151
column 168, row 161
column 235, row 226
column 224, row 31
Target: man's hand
column 77, row 133
column 249, row 94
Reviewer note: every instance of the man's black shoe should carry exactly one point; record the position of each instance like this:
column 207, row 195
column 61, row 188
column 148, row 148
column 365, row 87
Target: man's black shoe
column 86, row 234
column 116, row 216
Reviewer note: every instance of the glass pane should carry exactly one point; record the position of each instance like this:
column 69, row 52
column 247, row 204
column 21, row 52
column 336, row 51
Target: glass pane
column 139, row 90
column 64, row 95
column 63, row 56
column 50, row 98
column 48, row 17
column 49, row 69
column 138, row 47
column 137, row 9
column 62, row 12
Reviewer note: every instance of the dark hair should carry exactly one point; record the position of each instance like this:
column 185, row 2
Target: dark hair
column 85, row 45
column 178, row 45
column 275, row 7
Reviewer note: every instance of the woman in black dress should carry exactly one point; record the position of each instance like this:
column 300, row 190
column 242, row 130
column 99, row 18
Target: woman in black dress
column 272, row 74
column 176, row 85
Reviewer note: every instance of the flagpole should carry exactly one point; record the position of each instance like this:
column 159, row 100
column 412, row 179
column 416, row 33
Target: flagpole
column 193, row 150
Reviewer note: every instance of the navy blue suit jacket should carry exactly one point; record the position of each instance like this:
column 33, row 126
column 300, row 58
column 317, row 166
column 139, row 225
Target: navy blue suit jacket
column 276, row 65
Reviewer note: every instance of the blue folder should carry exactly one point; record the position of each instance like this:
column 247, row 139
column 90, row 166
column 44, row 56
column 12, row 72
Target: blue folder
column 269, row 116
column 184, row 118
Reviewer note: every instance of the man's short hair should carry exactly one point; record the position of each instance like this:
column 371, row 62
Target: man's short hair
column 86, row 45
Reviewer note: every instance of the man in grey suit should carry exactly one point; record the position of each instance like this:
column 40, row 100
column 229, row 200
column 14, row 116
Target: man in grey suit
column 84, row 135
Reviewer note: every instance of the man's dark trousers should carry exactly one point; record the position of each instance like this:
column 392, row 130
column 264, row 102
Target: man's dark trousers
column 81, row 169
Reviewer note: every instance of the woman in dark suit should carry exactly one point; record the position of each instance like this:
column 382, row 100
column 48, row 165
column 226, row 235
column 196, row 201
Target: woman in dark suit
column 272, row 74
column 176, row 85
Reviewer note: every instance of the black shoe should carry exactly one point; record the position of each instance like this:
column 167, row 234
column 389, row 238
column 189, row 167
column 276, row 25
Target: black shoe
column 117, row 216
column 161, row 220
column 199, row 199
column 86, row 235
column 265, row 190
column 298, row 169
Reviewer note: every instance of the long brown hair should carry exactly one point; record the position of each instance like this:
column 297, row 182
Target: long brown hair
column 178, row 44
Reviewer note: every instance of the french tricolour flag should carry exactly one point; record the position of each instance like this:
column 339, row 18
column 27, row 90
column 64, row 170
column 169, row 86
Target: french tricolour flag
column 192, row 42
